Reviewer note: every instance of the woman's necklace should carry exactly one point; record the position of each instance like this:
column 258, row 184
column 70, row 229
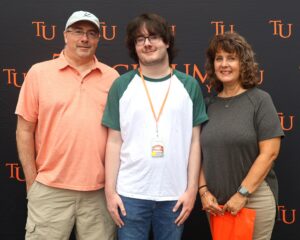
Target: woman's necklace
column 229, row 99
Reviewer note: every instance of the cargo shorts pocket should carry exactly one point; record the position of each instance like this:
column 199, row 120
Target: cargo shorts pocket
column 30, row 227
column 34, row 231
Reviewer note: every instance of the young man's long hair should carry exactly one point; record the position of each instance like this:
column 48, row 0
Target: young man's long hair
column 155, row 25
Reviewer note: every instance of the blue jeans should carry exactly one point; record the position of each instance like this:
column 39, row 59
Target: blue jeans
column 142, row 213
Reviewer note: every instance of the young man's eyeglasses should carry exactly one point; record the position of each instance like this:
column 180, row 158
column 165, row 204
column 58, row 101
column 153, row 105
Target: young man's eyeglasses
column 80, row 33
column 140, row 41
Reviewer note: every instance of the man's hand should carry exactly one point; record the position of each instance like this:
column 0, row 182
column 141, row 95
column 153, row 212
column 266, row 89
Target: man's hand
column 29, row 183
column 187, row 200
column 114, row 202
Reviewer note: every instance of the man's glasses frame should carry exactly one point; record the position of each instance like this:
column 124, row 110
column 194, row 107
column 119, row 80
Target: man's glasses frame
column 140, row 41
column 80, row 33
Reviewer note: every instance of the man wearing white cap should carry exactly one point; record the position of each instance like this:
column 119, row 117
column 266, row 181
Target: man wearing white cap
column 61, row 141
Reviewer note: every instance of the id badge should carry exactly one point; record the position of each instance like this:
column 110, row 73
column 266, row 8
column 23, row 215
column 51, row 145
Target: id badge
column 157, row 149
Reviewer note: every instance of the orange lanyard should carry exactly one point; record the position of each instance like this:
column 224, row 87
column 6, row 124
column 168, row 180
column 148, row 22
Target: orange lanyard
column 150, row 101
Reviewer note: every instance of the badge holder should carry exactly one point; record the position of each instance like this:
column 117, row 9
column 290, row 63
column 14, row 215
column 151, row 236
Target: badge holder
column 157, row 149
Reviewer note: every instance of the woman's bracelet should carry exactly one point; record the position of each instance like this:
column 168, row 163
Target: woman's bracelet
column 202, row 187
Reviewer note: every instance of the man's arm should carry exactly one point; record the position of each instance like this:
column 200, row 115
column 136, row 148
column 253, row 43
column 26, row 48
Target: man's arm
column 112, row 164
column 26, row 149
column 187, row 200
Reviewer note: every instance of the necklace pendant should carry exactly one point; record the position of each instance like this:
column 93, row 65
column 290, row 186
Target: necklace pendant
column 226, row 105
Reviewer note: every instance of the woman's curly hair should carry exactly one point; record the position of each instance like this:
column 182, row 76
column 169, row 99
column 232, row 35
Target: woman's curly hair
column 232, row 43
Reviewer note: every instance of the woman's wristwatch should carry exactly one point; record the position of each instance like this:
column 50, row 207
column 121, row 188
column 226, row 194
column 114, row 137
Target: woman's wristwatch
column 243, row 191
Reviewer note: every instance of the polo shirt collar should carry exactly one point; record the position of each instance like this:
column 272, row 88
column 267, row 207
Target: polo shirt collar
column 63, row 63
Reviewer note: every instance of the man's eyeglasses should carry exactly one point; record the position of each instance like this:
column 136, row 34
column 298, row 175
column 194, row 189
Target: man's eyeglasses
column 140, row 41
column 81, row 33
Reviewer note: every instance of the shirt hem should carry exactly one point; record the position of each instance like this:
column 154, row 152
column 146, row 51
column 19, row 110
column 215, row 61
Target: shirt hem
column 27, row 118
column 146, row 197
column 109, row 125
column 70, row 187
column 200, row 121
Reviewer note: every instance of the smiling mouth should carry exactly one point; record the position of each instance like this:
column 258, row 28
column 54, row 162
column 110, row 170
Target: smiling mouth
column 147, row 52
column 225, row 72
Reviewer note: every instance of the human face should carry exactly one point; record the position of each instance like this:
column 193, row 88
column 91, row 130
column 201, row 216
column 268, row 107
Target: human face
column 81, row 46
column 153, row 51
column 227, row 67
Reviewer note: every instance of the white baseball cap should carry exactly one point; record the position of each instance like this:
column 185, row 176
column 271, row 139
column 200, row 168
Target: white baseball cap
column 82, row 16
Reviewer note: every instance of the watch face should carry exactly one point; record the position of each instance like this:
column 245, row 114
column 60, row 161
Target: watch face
column 243, row 191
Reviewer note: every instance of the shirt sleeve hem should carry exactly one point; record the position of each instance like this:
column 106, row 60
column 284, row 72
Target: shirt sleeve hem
column 112, row 126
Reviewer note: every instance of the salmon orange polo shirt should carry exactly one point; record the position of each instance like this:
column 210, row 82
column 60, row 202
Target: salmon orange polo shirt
column 67, row 108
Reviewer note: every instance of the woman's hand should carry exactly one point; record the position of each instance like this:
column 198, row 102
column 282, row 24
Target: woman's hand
column 209, row 203
column 235, row 204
